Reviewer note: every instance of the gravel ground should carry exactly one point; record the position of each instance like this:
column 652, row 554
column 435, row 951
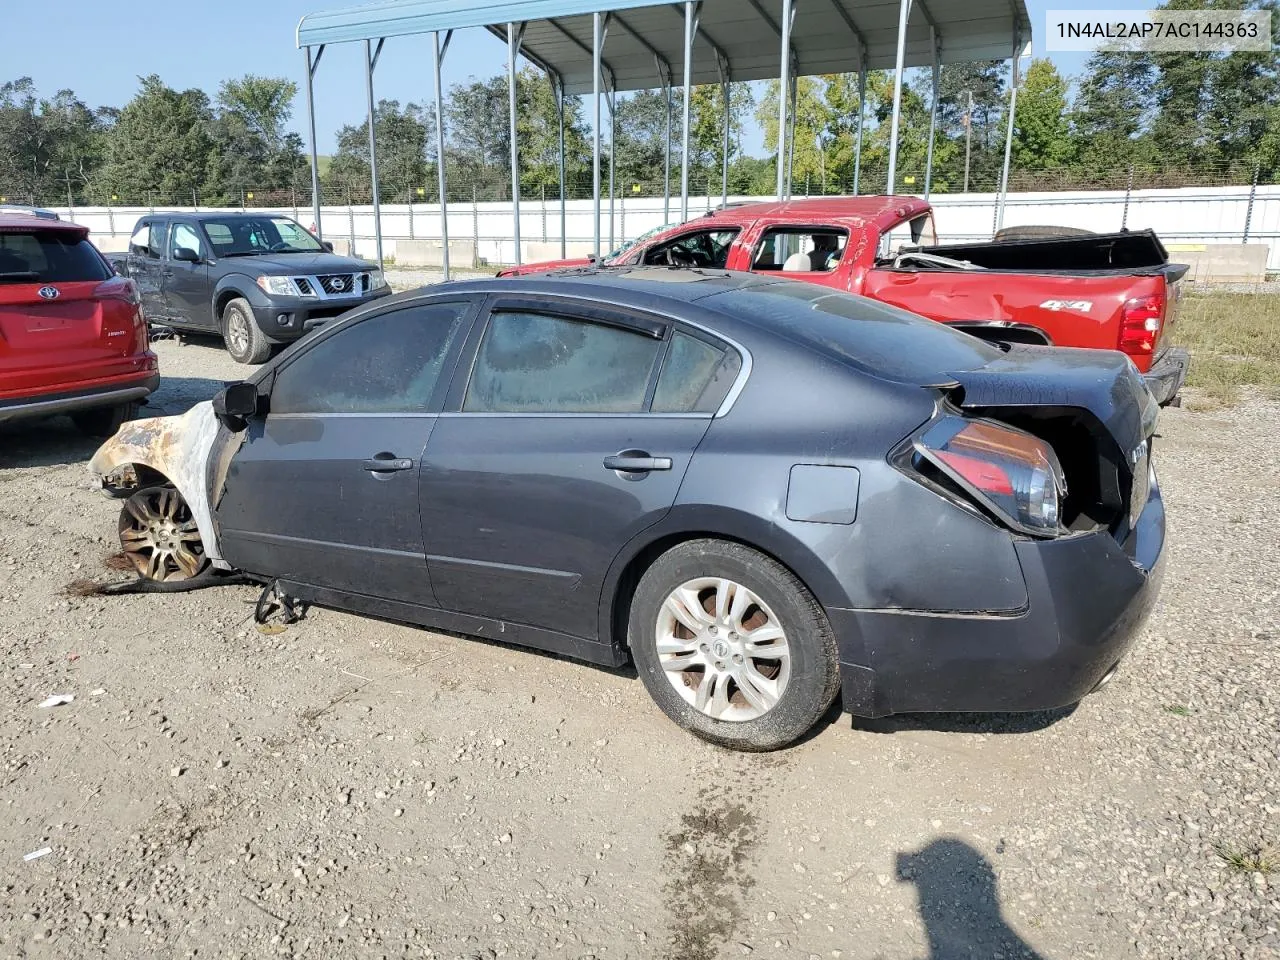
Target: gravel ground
column 356, row 788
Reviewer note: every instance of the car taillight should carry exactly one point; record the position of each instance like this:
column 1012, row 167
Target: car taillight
column 118, row 288
column 1140, row 321
column 1012, row 473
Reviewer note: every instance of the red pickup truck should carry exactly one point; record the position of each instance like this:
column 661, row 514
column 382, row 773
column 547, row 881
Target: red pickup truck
column 1114, row 291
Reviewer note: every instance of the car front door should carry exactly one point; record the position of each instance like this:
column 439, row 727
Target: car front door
column 324, row 488
column 186, row 284
column 561, row 445
column 146, row 248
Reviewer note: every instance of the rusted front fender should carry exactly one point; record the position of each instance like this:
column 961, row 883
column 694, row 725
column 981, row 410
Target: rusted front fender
column 177, row 447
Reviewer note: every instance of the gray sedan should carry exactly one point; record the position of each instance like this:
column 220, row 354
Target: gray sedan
column 763, row 493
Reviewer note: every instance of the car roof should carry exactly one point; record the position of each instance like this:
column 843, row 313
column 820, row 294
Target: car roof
column 880, row 211
column 672, row 284
column 27, row 223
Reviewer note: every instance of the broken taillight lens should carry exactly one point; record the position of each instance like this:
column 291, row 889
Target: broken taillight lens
column 1013, row 474
column 1140, row 322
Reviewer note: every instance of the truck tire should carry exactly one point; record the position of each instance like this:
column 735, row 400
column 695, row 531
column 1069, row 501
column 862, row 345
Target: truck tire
column 245, row 342
column 697, row 676
column 1039, row 233
column 104, row 421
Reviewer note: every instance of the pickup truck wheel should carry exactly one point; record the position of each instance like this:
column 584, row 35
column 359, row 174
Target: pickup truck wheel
column 245, row 342
column 104, row 421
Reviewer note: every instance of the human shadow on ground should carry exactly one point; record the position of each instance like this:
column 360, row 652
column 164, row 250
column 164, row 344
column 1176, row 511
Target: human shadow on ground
column 960, row 904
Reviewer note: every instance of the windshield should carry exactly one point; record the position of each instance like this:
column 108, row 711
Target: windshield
column 252, row 236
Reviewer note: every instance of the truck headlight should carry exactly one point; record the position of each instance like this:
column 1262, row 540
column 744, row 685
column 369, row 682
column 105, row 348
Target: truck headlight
column 377, row 280
column 277, row 286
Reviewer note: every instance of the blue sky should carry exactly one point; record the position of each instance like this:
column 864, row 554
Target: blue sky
column 199, row 44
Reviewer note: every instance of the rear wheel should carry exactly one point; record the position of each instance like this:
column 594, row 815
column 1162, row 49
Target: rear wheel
column 104, row 421
column 245, row 342
column 160, row 536
column 731, row 646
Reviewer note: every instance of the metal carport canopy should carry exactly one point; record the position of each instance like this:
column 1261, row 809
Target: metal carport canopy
column 712, row 41
column 827, row 36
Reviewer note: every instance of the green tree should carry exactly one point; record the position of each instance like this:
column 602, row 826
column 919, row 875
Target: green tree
column 1112, row 110
column 1041, row 132
column 812, row 117
column 538, row 136
column 265, row 105
column 402, row 136
column 160, row 145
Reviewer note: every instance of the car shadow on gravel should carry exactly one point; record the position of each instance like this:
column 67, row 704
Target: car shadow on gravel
column 960, row 903
column 994, row 723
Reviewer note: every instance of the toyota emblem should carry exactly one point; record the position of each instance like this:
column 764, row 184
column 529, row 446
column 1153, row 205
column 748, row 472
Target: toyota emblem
column 49, row 293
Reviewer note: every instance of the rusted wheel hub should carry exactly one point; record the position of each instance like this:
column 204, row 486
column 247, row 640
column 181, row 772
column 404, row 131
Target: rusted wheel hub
column 159, row 535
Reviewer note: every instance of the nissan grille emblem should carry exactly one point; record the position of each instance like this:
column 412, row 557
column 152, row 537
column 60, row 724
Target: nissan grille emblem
column 49, row 293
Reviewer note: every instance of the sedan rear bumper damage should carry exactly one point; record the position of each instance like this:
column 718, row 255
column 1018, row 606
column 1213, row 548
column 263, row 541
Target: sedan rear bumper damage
column 1088, row 596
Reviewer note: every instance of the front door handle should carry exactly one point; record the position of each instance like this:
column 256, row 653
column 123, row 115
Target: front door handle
column 636, row 461
column 387, row 463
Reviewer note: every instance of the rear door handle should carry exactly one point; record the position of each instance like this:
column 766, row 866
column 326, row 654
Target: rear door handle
column 387, row 463
column 636, row 461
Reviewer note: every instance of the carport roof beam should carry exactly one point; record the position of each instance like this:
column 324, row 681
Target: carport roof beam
column 970, row 30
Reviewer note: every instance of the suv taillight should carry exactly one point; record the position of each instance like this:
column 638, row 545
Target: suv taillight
column 118, row 288
column 1009, row 472
column 1140, row 322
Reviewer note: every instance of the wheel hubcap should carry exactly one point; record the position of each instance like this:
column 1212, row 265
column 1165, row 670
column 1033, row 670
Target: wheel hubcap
column 159, row 535
column 237, row 331
column 722, row 649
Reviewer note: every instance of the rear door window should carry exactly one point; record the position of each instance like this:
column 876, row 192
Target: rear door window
column 696, row 376
column 541, row 363
column 49, row 256
column 800, row 249
column 155, row 239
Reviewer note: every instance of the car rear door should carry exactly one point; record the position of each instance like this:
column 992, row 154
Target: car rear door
column 324, row 488
column 560, row 443
column 65, row 318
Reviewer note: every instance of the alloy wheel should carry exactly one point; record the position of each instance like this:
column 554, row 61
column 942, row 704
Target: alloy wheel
column 722, row 648
column 160, row 536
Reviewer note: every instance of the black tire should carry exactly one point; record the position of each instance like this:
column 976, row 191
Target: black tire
column 245, row 341
column 814, row 677
column 104, row 421
column 1040, row 233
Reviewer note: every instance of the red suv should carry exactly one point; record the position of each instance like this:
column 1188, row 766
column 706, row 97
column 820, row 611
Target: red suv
column 72, row 337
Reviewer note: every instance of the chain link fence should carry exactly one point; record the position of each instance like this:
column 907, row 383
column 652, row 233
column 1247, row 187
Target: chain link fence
column 494, row 185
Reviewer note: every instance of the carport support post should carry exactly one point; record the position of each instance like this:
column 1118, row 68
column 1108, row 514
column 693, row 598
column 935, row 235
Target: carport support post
column 724, row 152
column 862, row 111
column 559, row 92
column 904, row 14
column 791, row 134
column 933, row 113
column 513, row 48
column 666, row 147
column 444, row 216
column 612, row 101
column 784, row 86
column 311, row 118
column 1008, row 137
column 689, row 30
column 370, row 61
column 596, row 43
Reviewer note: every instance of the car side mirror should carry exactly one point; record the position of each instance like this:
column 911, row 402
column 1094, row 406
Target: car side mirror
column 235, row 404
column 186, row 254
column 327, row 245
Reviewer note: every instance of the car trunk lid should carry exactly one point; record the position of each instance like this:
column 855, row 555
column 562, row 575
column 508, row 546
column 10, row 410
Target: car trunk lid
column 1091, row 406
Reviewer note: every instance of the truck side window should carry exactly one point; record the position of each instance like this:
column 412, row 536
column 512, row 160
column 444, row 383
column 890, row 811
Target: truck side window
column 138, row 243
column 706, row 248
column 155, row 239
column 800, row 249
column 184, row 235
column 917, row 232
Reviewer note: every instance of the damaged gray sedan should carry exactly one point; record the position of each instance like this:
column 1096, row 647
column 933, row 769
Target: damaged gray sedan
column 763, row 493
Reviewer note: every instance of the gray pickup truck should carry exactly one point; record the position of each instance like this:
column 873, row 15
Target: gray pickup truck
column 256, row 279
